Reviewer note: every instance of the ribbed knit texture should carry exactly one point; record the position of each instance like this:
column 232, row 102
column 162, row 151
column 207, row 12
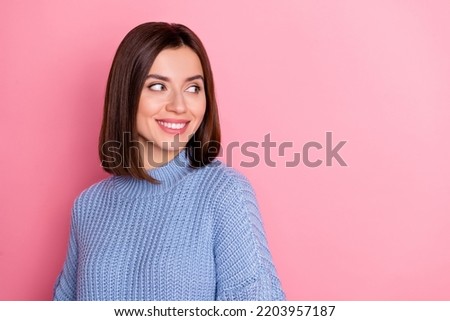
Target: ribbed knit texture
column 196, row 236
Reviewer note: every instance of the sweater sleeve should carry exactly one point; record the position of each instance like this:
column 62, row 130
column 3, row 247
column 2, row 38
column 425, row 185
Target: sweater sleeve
column 65, row 285
column 244, row 268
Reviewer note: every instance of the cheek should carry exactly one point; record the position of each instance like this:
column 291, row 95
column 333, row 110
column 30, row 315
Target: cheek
column 144, row 117
column 199, row 115
column 141, row 117
column 201, row 110
column 147, row 108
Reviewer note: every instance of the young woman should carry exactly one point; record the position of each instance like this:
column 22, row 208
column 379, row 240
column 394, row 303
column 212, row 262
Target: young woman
column 172, row 222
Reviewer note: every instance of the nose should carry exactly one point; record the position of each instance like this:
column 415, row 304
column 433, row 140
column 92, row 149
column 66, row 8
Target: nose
column 176, row 103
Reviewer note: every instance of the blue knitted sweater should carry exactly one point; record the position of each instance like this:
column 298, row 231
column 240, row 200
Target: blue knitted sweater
column 196, row 236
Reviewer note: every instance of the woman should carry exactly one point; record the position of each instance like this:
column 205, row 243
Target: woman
column 172, row 222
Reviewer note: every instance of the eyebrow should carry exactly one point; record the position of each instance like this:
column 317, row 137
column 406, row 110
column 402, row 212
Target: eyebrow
column 164, row 78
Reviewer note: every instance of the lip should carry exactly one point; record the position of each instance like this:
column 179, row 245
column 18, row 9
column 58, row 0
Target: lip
column 173, row 121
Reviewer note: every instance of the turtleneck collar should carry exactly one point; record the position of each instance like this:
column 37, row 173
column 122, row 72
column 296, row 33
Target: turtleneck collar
column 169, row 175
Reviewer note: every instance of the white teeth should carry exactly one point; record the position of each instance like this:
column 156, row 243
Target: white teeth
column 172, row 125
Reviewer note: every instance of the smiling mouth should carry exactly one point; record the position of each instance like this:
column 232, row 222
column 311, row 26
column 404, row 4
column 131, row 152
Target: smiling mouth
column 172, row 125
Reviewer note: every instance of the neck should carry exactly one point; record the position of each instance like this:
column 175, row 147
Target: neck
column 155, row 157
column 168, row 175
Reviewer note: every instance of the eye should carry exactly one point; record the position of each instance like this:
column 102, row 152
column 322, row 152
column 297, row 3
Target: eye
column 193, row 89
column 157, row 87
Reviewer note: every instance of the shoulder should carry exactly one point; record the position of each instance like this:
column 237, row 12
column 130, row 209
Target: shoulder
column 225, row 180
column 224, row 173
column 233, row 195
column 93, row 193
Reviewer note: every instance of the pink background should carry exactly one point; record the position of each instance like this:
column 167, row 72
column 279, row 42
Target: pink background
column 375, row 73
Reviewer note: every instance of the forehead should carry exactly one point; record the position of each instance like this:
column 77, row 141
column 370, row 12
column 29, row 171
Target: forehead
column 176, row 63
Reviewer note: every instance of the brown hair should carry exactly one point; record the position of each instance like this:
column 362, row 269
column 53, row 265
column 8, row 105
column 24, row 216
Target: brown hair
column 118, row 143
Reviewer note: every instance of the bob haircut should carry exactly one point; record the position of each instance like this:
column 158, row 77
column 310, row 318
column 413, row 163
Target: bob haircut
column 119, row 141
